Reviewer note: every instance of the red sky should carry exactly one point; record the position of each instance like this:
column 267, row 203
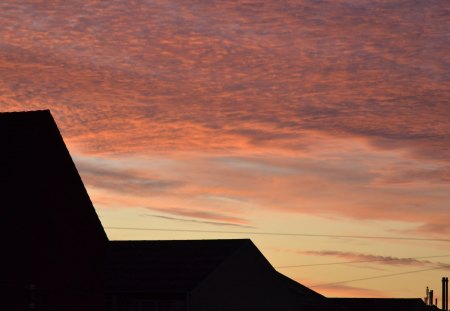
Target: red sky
column 321, row 117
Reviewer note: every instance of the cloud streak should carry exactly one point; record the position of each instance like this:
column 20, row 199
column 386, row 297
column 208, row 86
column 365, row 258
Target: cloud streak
column 283, row 78
column 377, row 259
column 101, row 174
column 202, row 214
column 214, row 223
column 221, row 111
column 179, row 71
column 355, row 185
column 341, row 290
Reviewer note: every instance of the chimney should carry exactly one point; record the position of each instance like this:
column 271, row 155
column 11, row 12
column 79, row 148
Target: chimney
column 445, row 294
column 431, row 298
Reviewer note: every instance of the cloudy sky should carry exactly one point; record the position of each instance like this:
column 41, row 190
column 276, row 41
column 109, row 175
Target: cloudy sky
column 311, row 117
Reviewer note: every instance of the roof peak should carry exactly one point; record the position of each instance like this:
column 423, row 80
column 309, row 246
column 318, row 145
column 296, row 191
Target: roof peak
column 26, row 116
column 27, row 111
column 186, row 240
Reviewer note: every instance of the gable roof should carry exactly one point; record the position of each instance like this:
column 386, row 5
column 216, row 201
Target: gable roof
column 41, row 172
column 368, row 304
column 300, row 289
column 45, row 208
column 165, row 266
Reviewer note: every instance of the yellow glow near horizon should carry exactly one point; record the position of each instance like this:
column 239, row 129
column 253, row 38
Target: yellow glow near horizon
column 330, row 117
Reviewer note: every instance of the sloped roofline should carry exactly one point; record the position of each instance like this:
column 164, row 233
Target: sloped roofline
column 11, row 116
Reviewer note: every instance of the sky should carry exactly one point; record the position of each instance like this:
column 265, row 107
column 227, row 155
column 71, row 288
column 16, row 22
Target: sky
column 308, row 117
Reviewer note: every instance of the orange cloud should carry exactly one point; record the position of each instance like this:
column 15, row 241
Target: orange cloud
column 322, row 182
column 318, row 121
column 340, row 290
column 231, row 76
column 376, row 259
column 198, row 215
column 217, row 110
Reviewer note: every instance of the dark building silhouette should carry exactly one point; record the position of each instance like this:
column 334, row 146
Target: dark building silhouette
column 56, row 256
column 379, row 304
column 200, row 275
column 53, row 243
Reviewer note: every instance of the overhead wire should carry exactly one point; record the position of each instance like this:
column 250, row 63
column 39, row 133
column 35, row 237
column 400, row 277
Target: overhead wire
column 283, row 234
column 381, row 276
column 357, row 261
column 318, row 236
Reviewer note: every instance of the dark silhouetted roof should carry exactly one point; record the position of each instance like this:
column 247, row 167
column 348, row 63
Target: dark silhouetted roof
column 377, row 304
column 165, row 266
column 45, row 210
column 299, row 288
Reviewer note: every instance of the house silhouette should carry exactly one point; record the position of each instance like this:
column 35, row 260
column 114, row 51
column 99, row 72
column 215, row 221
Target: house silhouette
column 200, row 275
column 57, row 256
column 53, row 244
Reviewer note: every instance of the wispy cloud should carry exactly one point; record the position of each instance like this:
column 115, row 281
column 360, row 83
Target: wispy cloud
column 202, row 214
column 220, row 110
column 341, row 290
column 433, row 228
column 353, row 257
column 354, row 185
column 100, row 173
column 178, row 72
column 228, row 224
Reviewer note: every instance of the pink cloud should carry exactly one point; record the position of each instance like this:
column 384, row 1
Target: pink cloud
column 354, row 257
column 222, row 75
column 196, row 221
column 275, row 105
column 340, row 290
column 320, row 182
column 202, row 214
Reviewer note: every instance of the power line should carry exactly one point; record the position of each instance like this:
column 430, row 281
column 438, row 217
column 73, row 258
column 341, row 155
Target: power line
column 284, row 234
column 356, row 261
column 381, row 276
